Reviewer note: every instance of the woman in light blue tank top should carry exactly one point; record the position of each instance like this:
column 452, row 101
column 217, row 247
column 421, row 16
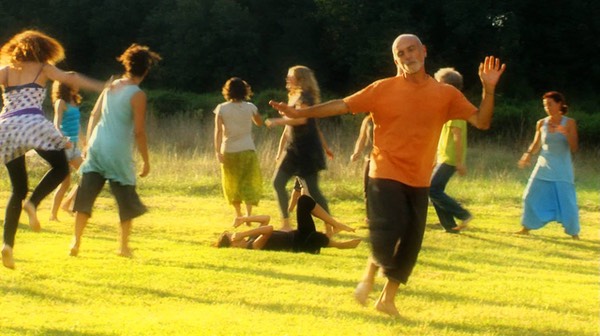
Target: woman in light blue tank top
column 67, row 118
column 116, row 122
column 550, row 192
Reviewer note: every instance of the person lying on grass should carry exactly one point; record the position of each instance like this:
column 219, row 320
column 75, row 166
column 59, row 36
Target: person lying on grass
column 305, row 239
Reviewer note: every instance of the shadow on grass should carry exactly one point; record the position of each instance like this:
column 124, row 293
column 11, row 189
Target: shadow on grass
column 567, row 253
column 260, row 271
column 503, row 329
column 280, row 308
column 32, row 293
column 442, row 296
column 54, row 332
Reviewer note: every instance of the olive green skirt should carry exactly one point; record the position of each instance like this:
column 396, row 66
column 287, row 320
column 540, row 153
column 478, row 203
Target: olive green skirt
column 241, row 177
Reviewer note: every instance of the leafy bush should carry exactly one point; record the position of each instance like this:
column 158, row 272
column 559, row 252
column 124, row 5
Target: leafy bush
column 167, row 103
column 164, row 103
column 261, row 100
column 587, row 127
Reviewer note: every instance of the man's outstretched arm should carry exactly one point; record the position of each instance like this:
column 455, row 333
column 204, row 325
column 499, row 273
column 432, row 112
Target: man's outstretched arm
column 489, row 72
column 327, row 109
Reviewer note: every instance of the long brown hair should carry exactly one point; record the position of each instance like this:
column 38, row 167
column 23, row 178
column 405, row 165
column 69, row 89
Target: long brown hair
column 307, row 83
column 64, row 92
column 32, row 46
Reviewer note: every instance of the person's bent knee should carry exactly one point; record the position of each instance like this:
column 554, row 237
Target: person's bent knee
column 306, row 203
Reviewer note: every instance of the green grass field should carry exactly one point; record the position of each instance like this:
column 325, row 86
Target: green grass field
column 485, row 281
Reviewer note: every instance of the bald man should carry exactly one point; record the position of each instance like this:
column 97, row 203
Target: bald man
column 408, row 112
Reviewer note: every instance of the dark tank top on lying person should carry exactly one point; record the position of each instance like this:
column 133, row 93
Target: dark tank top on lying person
column 292, row 241
column 279, row 241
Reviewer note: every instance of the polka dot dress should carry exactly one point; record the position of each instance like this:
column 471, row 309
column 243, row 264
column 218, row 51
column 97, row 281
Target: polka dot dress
column 22, row 132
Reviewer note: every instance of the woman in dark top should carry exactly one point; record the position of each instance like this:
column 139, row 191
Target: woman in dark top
column 304, row 239
column 303, row 142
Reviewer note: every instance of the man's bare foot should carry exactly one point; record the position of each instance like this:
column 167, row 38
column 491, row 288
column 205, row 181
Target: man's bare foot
column 575, row 237
column 361, row 292
column 125, row 252
column 523, row 231
column 54, row 219
column 74, row 251
column 31, row 211
column 387, row 308
column 7, row 257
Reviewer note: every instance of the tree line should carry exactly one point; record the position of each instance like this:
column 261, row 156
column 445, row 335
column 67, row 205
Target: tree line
column 548, row 45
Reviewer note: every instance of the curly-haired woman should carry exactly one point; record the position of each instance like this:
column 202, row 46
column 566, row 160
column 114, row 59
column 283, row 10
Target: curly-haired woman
column 116, row 123
column 27, row 63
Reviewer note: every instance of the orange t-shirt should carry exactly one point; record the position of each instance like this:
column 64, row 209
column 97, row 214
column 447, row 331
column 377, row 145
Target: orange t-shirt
column 407, row 120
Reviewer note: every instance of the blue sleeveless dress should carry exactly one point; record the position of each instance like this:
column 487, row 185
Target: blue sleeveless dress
column 550, row 192
column 111, row 144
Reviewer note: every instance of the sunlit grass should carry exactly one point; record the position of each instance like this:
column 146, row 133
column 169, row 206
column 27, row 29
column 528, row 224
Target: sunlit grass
column 485, row 281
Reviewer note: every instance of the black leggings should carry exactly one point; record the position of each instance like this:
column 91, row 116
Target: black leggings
column 307, row 239
column 17, row 173
column 312, row 183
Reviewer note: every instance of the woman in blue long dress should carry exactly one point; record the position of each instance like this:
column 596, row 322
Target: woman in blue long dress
column 550, row 192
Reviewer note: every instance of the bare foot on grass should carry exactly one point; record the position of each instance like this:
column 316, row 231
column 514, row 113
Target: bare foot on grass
column 523, row 232
column 361, row 292
column 74, row 251
column 125, row 252
column 7, row 257
column 387, row 308
column 31, row 211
